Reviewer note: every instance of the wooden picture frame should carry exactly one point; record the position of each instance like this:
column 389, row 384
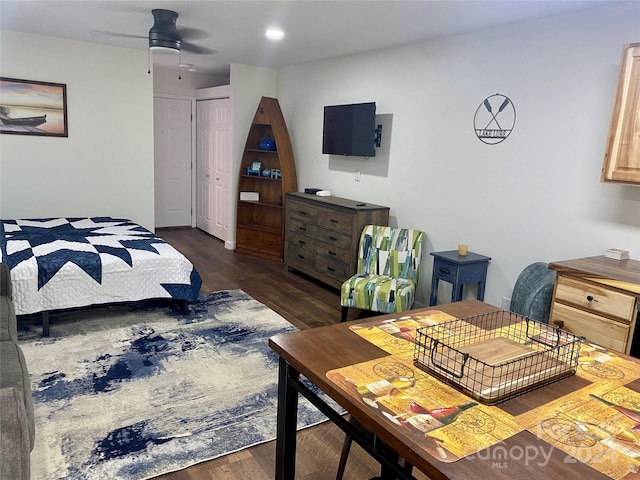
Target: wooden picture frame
column 29, row 107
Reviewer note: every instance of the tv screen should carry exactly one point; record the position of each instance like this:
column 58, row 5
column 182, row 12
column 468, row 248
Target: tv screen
column 349, row 130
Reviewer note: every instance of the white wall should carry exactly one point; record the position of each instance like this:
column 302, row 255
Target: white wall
column 165, row 80
column 105, row 166
column 534, row 197
column 248, row 86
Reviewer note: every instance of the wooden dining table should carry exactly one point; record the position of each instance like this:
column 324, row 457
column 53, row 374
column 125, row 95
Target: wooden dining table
column 307, row 356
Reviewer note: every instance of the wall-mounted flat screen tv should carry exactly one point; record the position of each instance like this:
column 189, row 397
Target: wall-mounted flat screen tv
column 349, row 130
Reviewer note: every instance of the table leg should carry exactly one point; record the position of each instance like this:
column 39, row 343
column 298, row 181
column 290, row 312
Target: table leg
column 45, row 324
column 433, row 299
column 286, row 423
column 480, row 291
column 456, row 292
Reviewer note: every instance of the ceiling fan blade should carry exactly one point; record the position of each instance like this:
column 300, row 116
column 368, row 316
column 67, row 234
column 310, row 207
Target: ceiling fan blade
column 191, row 48
column 191, row 34
column 116, row 34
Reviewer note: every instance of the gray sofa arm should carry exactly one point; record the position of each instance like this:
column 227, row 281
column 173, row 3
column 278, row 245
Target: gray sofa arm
column 5, row 281
column 14, row 436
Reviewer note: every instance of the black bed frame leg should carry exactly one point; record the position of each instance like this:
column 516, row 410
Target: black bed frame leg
column 184, row 306
column 45, row 324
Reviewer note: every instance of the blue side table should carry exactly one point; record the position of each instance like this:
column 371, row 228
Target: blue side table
column 459, row 271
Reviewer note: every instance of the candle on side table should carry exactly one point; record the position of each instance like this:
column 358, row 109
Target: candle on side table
column 463, row 249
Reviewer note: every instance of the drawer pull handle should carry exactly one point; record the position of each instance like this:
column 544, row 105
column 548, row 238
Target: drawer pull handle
column 560, row 324
column 302, row 212
column 333, row 239
column 591, row 299
column 331, row 269
column 331, row 253
column 301, row 242
column 301, row 256
column 304, row 229
column 446, row 271
column 333, row 220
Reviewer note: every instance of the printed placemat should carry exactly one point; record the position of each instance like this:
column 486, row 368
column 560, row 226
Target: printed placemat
column 439, row 419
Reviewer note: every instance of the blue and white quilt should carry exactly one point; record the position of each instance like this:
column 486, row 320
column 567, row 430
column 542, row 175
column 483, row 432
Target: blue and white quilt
column 61, row 263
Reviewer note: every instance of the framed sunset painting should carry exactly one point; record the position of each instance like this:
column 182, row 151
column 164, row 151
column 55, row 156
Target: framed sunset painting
column 33, row 108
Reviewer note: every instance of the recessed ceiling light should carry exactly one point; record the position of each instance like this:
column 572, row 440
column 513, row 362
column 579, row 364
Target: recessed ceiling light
column 274, row 34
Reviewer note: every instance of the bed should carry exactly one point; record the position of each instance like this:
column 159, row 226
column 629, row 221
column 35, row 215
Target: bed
column 61, row 263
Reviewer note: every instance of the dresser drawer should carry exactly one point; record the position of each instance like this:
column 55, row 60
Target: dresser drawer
column 301, row 226
column 595, row 298
column 341, row 222
column 298, row 255
column 302, row 243
column 336, row 270
column 333, row 253
column 333, row 238
column 302, row 211
column 599, row 330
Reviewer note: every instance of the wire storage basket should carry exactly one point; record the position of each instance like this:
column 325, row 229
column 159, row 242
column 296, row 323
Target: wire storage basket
column 495, row 356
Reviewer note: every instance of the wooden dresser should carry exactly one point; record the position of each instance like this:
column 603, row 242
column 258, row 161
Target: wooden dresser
column 323, row 234
column 597, row 297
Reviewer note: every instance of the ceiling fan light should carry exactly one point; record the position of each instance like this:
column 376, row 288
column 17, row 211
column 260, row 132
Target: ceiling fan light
column 164, row 50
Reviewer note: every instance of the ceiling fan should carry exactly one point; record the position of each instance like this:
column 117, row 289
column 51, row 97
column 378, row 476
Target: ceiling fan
column 165, row 37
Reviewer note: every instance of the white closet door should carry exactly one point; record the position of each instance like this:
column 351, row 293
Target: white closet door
column 172, row 161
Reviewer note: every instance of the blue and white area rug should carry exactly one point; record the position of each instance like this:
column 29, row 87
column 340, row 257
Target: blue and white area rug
column 133, row 392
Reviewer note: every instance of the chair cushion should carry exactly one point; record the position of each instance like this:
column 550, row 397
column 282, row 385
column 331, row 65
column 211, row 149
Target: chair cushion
column 380, row 293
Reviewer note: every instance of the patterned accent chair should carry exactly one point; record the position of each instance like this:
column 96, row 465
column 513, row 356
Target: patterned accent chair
column 388, row 269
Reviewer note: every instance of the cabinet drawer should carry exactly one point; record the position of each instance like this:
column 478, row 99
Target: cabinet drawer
column 595, row 298
column 341, row 222
column 302, row 211
column 333, row 253
column 335, row 270
column 302, row 243
column 248, row 238
column 270, row 243
column 599, row 330
column 301, row 226
column 298, row 255
column 333, row 238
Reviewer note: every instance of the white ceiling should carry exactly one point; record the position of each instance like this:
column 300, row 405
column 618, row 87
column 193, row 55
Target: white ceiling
column 314, row 29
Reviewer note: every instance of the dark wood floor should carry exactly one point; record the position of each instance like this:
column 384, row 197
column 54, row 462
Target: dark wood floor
column 306, row 304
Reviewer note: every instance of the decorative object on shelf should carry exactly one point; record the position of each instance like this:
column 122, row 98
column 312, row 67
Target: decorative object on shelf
column 268, row 144
column 250, row 196
column 616, row 253
column 275, row 173
column 266, row 172
column 494, row 119
column 463, row 249
column 255, row 168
